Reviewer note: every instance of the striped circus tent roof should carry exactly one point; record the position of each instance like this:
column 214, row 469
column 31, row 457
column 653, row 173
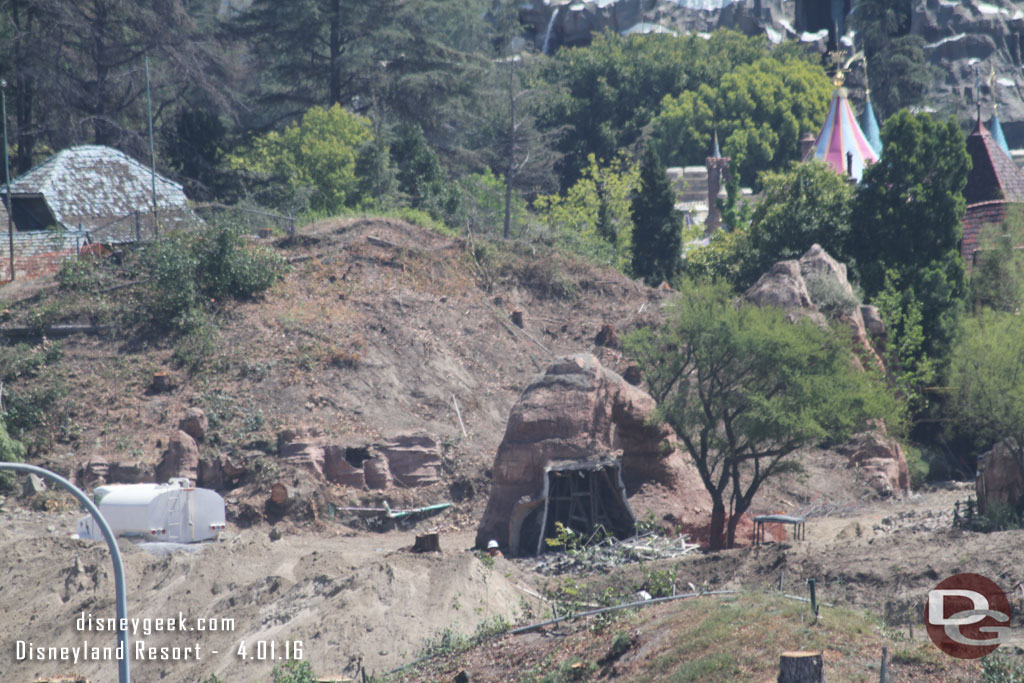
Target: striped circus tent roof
column 840, row 135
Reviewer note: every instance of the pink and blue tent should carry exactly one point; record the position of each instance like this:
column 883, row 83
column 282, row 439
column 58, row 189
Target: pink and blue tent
column 841, row 135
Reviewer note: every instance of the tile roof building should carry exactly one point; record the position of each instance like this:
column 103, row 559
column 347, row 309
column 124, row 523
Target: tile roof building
column 98, row 191
column 993, row 185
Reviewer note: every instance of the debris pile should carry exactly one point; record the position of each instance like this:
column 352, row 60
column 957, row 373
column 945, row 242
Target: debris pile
column 609, row 553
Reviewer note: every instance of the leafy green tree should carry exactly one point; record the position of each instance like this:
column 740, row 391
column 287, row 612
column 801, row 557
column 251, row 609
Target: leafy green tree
column 807, row 204
column 418, row 171
column 719, row 260
column 613, row 87
column 908, row 365
column 657, row 230
column 906, row 218
column 315, row 155
column 594, row 216
column 745, row 389
column 760, row 111
column 986, row 379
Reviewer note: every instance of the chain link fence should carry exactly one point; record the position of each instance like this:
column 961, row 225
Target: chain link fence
column 40, row 252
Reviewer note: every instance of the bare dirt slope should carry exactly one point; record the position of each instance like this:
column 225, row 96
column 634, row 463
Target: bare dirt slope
column 375, row 328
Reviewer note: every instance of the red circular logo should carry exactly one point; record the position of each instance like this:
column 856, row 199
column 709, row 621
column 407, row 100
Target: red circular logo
column 967, row 615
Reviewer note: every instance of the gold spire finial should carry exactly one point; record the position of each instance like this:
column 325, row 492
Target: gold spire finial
column 838, row 72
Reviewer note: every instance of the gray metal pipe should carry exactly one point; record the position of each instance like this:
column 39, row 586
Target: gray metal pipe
column 123, row 668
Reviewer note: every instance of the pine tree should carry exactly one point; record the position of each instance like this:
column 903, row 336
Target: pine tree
column 657, row 231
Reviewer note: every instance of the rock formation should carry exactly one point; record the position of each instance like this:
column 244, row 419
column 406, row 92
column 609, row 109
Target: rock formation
column 181, row 459
column 406, row 460
column 1000, row 480
column 579, row 410
column 793, row 286
column 881, row 460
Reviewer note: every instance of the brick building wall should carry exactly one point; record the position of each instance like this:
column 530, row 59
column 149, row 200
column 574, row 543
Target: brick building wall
column 38, row 253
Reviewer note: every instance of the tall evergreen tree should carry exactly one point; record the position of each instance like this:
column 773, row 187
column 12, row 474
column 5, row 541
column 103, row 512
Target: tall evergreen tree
column 657, row 230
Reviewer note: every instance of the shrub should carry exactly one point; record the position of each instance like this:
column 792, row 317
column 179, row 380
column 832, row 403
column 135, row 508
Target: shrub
column 829, row 295
column 189, row 270
column 10, row 451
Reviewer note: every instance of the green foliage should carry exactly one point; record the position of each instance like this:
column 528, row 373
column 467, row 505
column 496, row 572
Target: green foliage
column 917, row 466
column 906, row 217
column 592, row 218
column 1002, row 669
column 614, row 87
column 189, row 270
column 742, row 385
column 11, row 450
column 760, row 110
column 450, row 641
column 986, row 380
column 79, row 275
column 315, row 156
column 482, row 205
column 997, row 277
column 908, row 365
column 719, row 260
column 418, row 172
column 807, row 204
column 293, row 671
column 657, row 231
column 829, row 295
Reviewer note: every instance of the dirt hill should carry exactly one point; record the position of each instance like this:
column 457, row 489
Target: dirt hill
column 379, row 327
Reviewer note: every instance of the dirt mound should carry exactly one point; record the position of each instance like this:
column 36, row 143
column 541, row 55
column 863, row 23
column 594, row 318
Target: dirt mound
column 351, row 599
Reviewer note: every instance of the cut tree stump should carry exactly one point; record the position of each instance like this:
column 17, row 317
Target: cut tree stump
column 801, row 667
column 161, row 382
column 427, row 543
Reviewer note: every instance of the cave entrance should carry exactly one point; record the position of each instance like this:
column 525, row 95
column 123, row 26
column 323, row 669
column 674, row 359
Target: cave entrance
column 357, row 455
column 582, row 495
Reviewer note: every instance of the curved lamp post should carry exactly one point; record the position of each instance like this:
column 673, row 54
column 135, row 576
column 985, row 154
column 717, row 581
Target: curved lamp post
column 123, row 673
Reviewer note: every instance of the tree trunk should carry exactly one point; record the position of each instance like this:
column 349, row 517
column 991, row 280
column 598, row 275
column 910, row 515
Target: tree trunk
column 335, row 54
column 801, row 667
column 506, row 231
column 717, row 526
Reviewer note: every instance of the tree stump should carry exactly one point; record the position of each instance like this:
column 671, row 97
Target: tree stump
column 517, row 318
column 161, row 382
column 801, row 667
column 427, row 543
column 279, row 494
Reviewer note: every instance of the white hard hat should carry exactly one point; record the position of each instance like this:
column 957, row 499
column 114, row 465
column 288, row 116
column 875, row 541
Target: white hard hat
column 492, row 544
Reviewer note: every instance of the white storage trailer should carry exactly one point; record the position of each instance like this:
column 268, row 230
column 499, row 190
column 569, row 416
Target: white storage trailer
column 175, row 512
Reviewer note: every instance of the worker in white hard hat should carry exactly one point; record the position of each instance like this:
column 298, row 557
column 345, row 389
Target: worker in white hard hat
column 493, row 549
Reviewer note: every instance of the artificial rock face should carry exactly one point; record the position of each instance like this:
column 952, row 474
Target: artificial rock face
column 785, row 286
column 579, row 410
